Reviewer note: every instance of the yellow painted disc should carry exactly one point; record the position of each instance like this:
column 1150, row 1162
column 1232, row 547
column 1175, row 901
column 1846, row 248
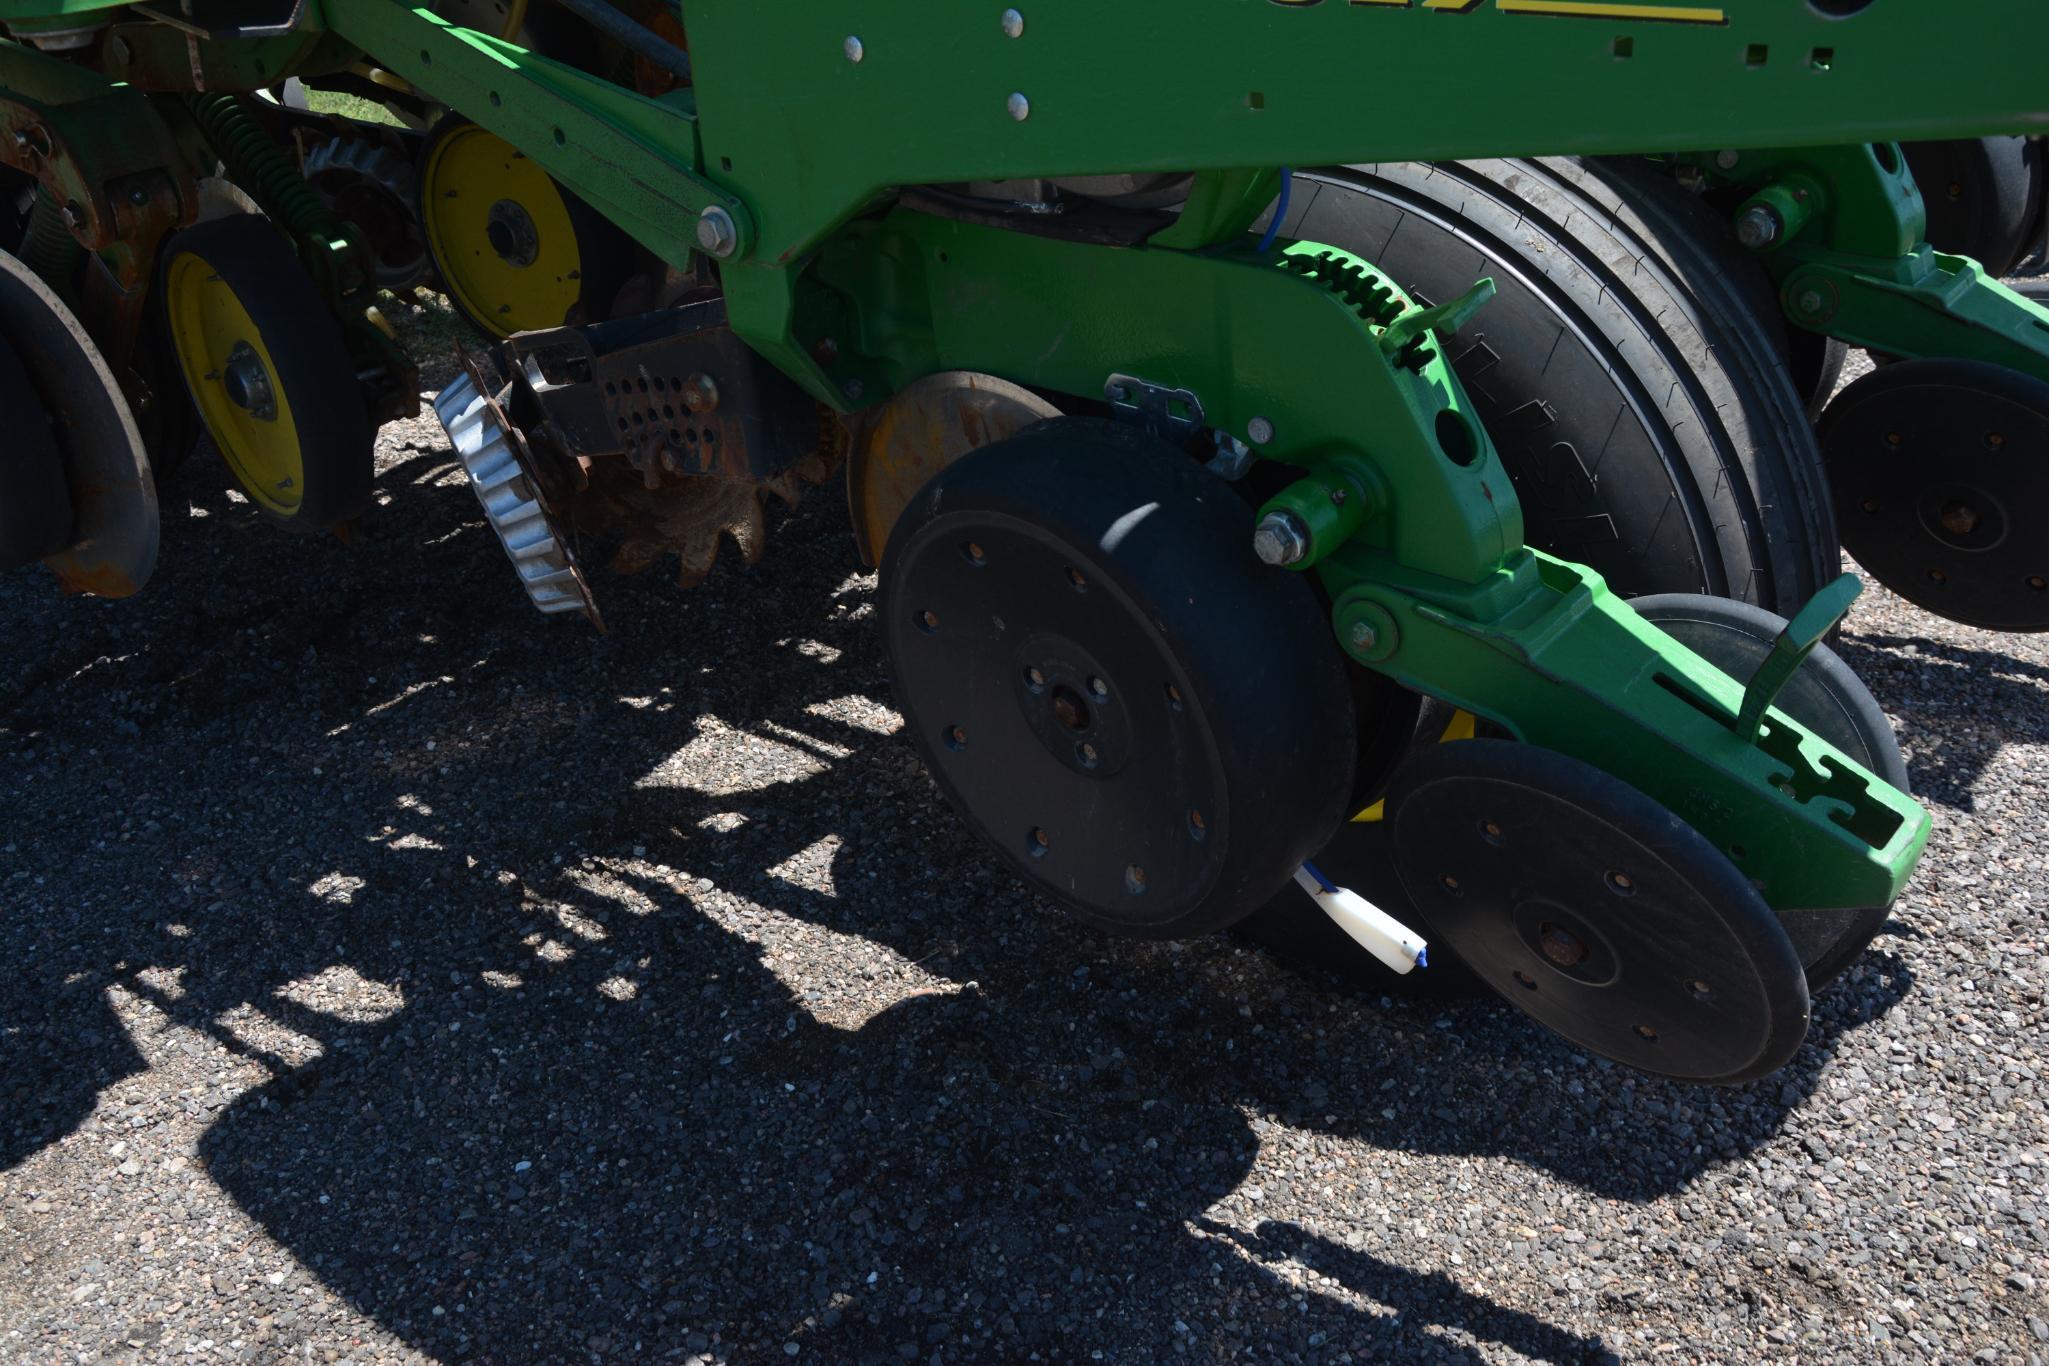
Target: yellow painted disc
column 501, row 233
column 234, row 382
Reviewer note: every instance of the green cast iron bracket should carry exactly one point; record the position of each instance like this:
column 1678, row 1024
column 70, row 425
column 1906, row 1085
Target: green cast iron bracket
column 1281, row 349
column 1544, row 649
column 1842, row 229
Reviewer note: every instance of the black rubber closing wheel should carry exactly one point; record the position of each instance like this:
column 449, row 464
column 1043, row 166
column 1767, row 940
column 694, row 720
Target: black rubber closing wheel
column 36, row 517
column 1598, row 912
column 1940, row 470
column 1150, row 726
column 1825, row 696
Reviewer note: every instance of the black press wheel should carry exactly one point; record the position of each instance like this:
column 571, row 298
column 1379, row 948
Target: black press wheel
column 1984, row 196
column 1825, row 696
column 1148, row 725
column 1598, row 912
column 1941, row 477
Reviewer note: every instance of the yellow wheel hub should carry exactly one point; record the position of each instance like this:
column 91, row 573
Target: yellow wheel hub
column 234, row 383
column 501, row 233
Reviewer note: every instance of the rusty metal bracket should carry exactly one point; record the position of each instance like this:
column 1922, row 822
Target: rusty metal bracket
column 674, row 392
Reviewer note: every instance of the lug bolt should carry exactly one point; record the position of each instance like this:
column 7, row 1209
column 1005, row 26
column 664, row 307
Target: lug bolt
column 1280, row 539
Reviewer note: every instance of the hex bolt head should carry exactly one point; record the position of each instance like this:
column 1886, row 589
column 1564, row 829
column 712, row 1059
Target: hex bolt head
column 716, row 233
column 1259, row 431
column 1362, row 635
column 1280, row 539
column 852, row 47
column 1013, row 24
column 1727, row 160
column 1758, row 227
column 1812, row 302
column 1020, row 108
column 700, row 393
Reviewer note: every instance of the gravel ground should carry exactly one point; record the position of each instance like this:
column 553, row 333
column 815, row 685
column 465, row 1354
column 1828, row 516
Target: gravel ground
column 400, row 975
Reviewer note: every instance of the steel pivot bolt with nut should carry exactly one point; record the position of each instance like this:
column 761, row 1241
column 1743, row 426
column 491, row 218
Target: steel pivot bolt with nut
column 1363, row 636
column 1280, row 539
column 1812, row 301
column 1758, row 227
column 716, row 233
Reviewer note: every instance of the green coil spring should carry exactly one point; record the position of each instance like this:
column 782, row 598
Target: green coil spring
column 260, row 166
column 47, row 246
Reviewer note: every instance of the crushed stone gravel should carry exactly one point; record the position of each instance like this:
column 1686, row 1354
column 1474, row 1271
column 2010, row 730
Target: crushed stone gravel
column 394, row 975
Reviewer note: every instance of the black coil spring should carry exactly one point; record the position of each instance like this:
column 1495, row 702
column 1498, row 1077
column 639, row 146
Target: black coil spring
column 47, row 246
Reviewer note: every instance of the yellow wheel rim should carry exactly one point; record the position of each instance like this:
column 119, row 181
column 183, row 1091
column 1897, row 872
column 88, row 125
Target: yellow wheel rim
column 501, row 233
column 234, row 383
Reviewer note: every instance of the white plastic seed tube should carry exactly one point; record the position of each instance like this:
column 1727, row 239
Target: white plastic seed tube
column 1380, row 934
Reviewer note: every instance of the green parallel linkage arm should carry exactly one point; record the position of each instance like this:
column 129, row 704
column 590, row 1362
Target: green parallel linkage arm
column 635, row 159
column 1844, row 235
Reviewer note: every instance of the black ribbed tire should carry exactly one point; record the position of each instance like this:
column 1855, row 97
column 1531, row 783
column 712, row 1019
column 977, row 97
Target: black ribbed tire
column 1632, row 372
column 1631, row 369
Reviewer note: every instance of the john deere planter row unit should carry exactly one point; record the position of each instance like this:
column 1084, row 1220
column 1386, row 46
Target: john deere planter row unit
column 1210, row 412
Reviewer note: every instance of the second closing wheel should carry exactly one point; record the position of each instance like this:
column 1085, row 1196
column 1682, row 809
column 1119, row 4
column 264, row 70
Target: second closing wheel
column 268, row 371
column 1597, row 911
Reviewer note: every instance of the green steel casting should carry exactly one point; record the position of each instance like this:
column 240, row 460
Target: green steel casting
column 1852, row 261
column 1544, row 649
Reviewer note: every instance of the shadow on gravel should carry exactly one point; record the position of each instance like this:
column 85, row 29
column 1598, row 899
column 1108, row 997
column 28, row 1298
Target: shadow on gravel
column 1917, row 679
column 630, row 1089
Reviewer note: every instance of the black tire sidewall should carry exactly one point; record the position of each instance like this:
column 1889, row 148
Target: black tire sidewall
column 311, row 357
